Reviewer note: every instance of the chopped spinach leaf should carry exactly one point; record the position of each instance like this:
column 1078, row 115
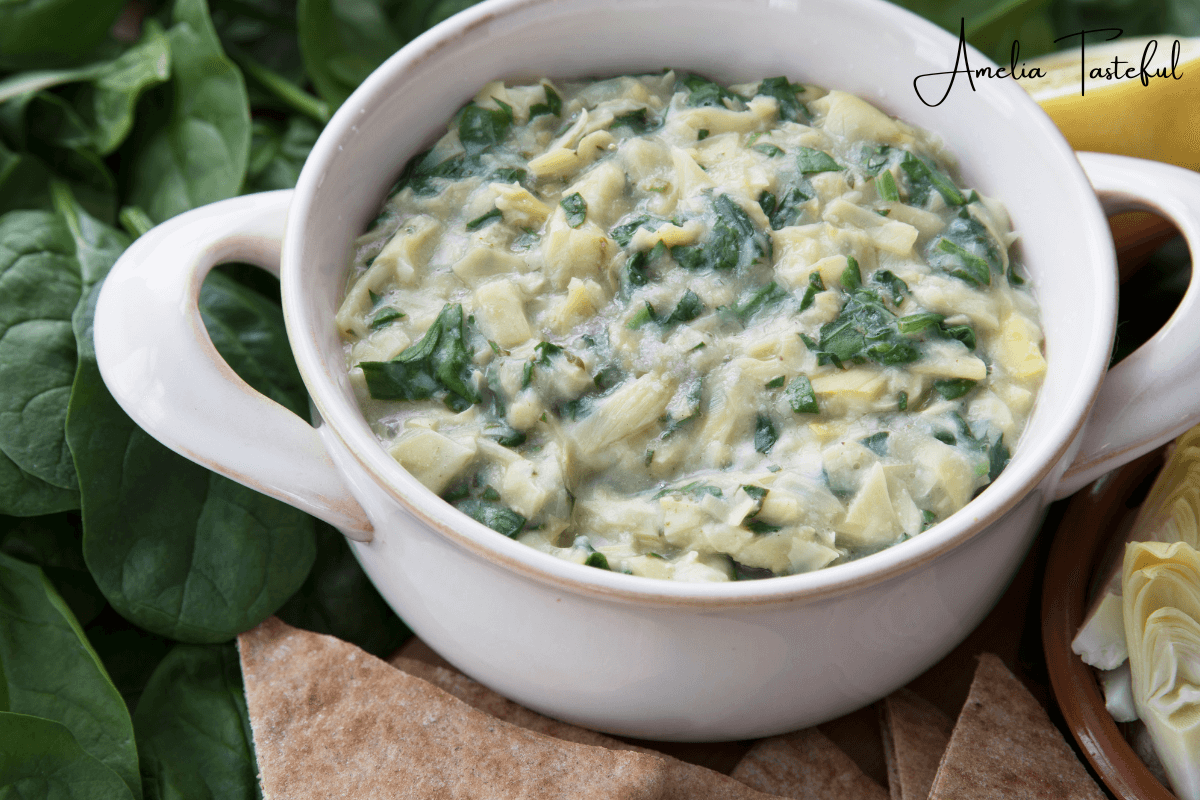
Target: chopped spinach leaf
column 527, row 375
column 504, row 434
column 480, row 129
column 508, row 175
column 790, row 107
column 484, row 219
column 886, row 185
column 598, row 560
column 608, row 377
column 964, row 333
column 924, row 177
column 1014, row 277
column 638, row 269
column 490, row 494
column 916, row 323
column 776, row 382
column 851, row 275
column 702, row 134
column 421, row 170
column 623, row 234
column 385, row 316
column 902, row 401
column 758, row 526
column 576, row 208
column 874, row 159
column 865, row 329
column 963, row 263
column 439, row 362
column 812, row 161
column 953, row 388
column 741, row 572
column 733, row 241
column 762, row 298
column 998, row 458
column 946, row 437
column 544, row 350
column 703, row 92
column 639, row 121
column 770, row 150
column 801, row 397
column 645, row 314
column 928, row 518
column 553, row 104
column 498, row 517
column 765, row 434
column 755, row 492
column 687, row 309
column 815, row 285
column 888, row 279
column 786, row 209
column 877, row 443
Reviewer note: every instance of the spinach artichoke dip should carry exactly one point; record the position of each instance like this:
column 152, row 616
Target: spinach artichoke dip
column 670, row 328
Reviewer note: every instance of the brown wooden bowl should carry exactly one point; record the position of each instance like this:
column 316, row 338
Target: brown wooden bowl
column 1093, row 520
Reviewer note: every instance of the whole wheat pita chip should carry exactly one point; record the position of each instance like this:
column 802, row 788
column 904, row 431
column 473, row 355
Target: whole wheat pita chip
column 915, row 734
column 1005, row 746
column 331, row 721
column 689, row 780
column 805, row 765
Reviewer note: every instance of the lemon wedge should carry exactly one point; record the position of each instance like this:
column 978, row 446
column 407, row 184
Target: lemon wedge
column 1159, row 120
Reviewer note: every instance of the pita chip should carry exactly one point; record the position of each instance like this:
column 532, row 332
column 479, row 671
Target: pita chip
column 689, row 780
column 805, row 765
column 331, row 721
column 915, row 734
column 1005, row 746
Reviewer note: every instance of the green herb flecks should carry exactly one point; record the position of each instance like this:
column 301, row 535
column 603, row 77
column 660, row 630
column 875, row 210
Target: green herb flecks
column 812, row 161
column 801, row 397
column 576, row 208
column 438, row 363
column 733, row 242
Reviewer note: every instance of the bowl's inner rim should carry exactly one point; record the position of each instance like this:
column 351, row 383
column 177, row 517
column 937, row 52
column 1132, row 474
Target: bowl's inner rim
column 346, row 421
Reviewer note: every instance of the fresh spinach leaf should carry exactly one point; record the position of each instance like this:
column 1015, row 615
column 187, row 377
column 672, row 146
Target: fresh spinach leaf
column 42, row 759
column 39, row 290
column 51, row 671
column 193, row 727
column 790, row 107
column 193, row 142
column 341, row 43
column 576, row 208
column 801, row 397
column 129, row 654
column 50, row 33
column 54, row 543
column 176, row 549
column 924, row 177
column 811, row 161
column 733, row 242
column 278, row 152
column 23, row 495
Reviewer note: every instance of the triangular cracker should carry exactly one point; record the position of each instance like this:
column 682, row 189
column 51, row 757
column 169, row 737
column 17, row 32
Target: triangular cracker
column 915, row 734
column 1005, row 746
column 689, row 780
column 331, row 721
column 805, row 765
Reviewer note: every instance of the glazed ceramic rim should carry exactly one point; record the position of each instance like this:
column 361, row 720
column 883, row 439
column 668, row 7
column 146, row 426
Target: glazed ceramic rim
column 1031, row 464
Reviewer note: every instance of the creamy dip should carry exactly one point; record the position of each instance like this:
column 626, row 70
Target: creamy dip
column 664, row 327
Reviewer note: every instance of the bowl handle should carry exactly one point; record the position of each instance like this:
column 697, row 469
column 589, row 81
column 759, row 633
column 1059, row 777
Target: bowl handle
column 159, row 363
column 1153, row 395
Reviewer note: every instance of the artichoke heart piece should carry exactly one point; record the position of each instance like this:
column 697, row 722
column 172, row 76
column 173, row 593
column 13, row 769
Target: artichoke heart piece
column 1161, row 591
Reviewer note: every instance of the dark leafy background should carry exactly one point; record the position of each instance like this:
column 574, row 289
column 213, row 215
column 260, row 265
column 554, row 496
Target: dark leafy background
column 126, row 570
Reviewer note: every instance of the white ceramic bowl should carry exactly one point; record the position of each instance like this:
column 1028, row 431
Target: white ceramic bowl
column 629, row 655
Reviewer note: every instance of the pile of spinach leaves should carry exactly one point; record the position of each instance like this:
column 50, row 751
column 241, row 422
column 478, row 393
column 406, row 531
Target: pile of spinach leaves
column 126, row 570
